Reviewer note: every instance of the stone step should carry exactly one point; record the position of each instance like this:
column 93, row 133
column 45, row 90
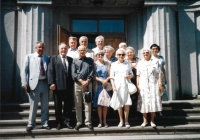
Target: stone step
column 167, row 112
column 20, row 133
column 167, row 120
column 167, row 105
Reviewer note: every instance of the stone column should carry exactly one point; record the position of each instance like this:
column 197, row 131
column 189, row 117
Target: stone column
column 159, row 27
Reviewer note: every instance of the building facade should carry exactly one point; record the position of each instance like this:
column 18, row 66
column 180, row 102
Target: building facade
column 172, row 24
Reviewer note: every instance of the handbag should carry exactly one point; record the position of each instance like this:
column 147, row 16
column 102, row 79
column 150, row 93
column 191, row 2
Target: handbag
column 108, row 87
column 87, row 96
column 131, row 87
column 115, row 102
column 104, row 98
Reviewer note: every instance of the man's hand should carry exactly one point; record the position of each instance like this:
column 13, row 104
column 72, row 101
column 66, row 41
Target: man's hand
column 25, row 88
column 52, row 87
column 83, row 83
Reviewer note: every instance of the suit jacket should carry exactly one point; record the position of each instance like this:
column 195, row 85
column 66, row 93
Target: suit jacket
column 57, row 75
column 31, row 70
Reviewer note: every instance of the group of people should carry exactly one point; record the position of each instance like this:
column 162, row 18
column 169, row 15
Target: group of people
column 76, row 70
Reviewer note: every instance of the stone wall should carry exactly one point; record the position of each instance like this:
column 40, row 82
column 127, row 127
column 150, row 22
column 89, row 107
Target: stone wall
column 21, row 28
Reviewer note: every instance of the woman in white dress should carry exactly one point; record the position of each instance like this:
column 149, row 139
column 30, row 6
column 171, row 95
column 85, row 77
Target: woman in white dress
column 119, row 74
column 149, row 83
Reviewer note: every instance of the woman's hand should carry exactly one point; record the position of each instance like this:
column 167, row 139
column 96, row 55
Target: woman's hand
column 104, row 82
column 128, row 76
column 161, row 88
column 114, row 89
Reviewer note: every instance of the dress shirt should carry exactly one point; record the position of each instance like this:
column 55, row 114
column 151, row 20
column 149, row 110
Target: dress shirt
column 83, row 68
column 41, row 77
column 96, row 49
column 65, row 61
column 71, row 53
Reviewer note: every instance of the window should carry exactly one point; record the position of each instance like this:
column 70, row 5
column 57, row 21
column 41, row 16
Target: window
column 98, row 26
column 84, row 26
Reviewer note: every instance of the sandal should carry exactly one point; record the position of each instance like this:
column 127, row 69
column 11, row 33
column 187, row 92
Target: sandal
column 120, row 124
column 127, row 125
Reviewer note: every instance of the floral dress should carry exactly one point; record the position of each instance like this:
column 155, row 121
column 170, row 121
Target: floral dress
column 161, row 61
column 149, row 97
column 102, row 73
column 118, row 72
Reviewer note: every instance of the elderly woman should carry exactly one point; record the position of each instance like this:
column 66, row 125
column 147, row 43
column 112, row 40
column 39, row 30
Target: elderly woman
column 120, row 72
column 155, row 50
column 109, row 50
column 102, row 77
column 133, row 61
column 149, row 83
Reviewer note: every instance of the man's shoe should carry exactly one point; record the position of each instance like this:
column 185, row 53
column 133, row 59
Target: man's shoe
column 58, row 127
column 29, row 129
column 77, row 127
column 90, row 126
column 46, row 127
column 67, row 124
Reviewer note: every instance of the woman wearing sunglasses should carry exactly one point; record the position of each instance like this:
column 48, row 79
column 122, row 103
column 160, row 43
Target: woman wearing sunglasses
column 119, row 74
column 149, row 84
column 102, row 78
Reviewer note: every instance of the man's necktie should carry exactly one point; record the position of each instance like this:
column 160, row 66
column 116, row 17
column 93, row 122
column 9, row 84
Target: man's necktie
column 42, row 72
column 64, row 64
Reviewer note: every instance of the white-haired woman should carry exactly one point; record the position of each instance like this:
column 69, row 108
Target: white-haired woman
column 102, row 78
column 133, row 61
column 109, row 50
column 119, row 74
column 149, row 83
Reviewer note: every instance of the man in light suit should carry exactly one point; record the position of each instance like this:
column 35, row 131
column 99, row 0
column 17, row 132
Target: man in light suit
column 34, row 82
column 61, row 82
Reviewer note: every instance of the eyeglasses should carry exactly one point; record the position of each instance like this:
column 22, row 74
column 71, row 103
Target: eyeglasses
column 121, row 54
column 145, row 52
column 100, row 54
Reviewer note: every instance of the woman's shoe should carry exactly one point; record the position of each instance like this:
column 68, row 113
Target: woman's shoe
column 120, row 124
column 105, row 125
column 99, row 125
column 143, row 124
column 153, row 124
column 127, row 125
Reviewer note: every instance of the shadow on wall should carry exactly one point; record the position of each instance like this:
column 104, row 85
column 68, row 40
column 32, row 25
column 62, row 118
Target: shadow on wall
column 11, row 90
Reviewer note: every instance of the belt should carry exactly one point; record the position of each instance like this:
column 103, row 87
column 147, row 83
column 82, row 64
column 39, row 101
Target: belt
column 42, row 79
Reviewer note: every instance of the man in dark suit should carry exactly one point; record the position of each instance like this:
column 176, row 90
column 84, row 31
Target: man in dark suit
column 60, row 81
column 34, row 82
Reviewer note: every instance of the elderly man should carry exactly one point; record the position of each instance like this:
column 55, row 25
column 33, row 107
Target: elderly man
column 83, row 41
column 122, row 45
column 99, row 42
column 61, row 82
column 82, row 73
column 34, row 82
column 72, row 44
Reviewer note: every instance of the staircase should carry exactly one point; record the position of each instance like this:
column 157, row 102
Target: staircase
column 180, row 117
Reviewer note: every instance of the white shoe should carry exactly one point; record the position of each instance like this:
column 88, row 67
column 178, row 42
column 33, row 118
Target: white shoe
column 127, row 125
column 153, row 124
column 120, row 124
column 143, row 124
